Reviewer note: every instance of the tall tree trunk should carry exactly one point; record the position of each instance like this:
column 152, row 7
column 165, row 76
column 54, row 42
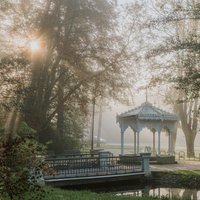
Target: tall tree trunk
column 188, row 117
column 92, row 128
column 34, row 114
column 39, row 94
column 190, row 144
column 99, row 126
column 60, row 113
column 174, row 137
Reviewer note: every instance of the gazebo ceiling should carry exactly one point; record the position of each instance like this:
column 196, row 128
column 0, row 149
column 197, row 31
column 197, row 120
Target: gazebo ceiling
column 146, row 111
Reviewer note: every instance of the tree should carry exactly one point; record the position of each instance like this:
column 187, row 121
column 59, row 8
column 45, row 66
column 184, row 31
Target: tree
column 78, row 46
column 172, row 56
column 188, row 114
column 186, row 63
column 182, row 40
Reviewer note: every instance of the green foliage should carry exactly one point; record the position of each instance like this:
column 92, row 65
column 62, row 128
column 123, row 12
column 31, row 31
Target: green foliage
column 2, row 130
column 73, row 131
column 24, row 130
column 19, row 157
column 72, row 134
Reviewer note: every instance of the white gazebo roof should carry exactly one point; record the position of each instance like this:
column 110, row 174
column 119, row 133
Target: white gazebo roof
column 146, row 111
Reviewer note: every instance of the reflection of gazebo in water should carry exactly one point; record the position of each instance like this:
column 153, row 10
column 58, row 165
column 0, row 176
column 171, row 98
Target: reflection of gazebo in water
column 151, row 117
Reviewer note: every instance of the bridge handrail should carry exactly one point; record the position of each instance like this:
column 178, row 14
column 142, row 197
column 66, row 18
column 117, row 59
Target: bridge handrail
column 72, row 155
column 78, row 158
column 89, row 166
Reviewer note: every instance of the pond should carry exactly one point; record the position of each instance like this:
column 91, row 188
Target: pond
column 131, row 189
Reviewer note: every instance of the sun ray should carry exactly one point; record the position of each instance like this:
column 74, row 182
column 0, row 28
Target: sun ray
column 34, row 45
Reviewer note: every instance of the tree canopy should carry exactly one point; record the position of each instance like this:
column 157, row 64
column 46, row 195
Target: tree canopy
column 63, row 53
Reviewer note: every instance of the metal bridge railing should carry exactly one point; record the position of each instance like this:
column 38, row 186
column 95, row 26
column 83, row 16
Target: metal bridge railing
column 101, row 165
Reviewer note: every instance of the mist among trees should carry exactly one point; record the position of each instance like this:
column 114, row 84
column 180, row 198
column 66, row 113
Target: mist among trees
column 58, row 56
column 59, row 59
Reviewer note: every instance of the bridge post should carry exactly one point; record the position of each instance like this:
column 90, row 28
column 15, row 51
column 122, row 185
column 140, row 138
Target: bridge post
column 103, row 158
column 145, row 157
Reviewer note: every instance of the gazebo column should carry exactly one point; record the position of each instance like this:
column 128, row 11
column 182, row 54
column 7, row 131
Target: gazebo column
column 159, row 142
column 169, row 144
column 154, row 143
column 135, row 144
column 122, row 143
column 171, row 150
column 138, row 142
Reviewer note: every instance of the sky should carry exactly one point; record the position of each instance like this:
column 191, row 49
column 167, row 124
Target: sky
column 124, row 1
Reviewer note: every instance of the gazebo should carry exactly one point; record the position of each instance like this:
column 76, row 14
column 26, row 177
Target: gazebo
column 152, row 118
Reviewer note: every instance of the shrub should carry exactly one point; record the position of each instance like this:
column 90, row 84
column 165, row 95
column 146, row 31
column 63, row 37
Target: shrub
column 18, row 157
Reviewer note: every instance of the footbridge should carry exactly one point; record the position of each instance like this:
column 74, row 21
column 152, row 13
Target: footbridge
column 94, row 168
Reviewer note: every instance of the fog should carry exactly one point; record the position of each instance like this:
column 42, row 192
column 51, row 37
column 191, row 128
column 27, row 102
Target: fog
column 110, row 130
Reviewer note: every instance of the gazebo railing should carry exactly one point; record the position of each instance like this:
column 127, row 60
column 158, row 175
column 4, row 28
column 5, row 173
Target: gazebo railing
column 182, row 155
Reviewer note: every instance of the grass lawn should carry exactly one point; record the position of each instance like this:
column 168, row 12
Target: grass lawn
column 59, row 194
column 187, row 172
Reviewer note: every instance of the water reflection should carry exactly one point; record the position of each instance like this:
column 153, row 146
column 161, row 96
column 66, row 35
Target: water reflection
column 189, row 194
